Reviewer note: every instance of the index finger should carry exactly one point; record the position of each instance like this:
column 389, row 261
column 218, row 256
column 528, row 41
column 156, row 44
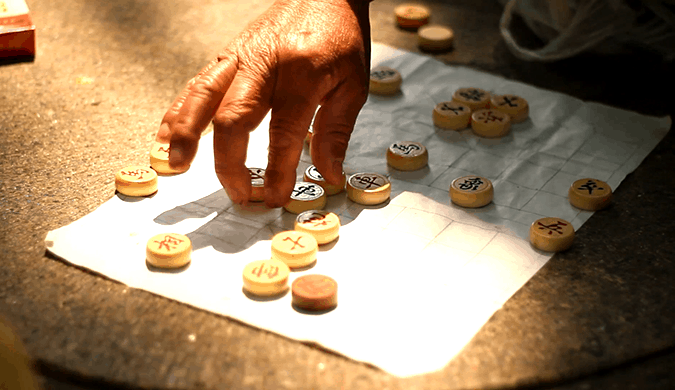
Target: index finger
column 198, row 109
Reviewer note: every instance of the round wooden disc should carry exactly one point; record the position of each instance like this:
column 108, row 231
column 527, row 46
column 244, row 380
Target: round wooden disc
column 314, row 292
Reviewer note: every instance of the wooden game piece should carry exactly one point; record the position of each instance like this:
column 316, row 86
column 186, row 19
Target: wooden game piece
column 296, row 249
column 257, row 184
column 551, row 234
column 368, row 188
column 266, row 277
column 314, row 292
column 306, row 196
column 136, row 180
column 385, row 81
column 312, row 175
column 490, row 123
column 452, row 115
column 324, row 226
column 515, row 106
column 590, row 194
column 435, row 37
column 168, row 250
column 407, row 155
column 159, row 159
column 411, row 16
column 471, row 191
column 474, row 98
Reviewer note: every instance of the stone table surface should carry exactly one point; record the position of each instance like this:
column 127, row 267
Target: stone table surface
column 600, row 315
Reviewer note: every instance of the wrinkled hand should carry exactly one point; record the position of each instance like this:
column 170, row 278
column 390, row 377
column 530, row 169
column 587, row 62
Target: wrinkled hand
column 296, row 56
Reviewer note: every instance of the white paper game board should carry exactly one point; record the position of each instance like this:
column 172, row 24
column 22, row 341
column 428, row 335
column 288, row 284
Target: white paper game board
column 418, row 276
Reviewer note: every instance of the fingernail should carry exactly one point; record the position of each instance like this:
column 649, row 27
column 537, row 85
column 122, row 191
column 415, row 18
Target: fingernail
column 175, row 155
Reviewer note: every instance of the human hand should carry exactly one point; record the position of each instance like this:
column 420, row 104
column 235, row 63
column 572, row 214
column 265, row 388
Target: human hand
column 296, row 56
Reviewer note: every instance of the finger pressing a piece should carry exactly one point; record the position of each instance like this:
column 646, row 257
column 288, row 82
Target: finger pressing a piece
column 333, row 127
column 241, row 111
column 164, row 133
column 291, row 117
column 197, row 110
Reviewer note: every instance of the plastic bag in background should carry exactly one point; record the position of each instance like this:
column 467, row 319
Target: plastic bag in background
column 570, row 27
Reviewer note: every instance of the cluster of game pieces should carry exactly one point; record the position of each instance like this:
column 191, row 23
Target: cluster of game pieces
column 488, row 115
column 141, row 180
column 430, row 37
column 297, row 250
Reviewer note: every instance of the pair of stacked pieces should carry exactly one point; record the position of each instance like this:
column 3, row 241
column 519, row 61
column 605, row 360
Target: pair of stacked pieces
column 166, row 250
column 430, row 37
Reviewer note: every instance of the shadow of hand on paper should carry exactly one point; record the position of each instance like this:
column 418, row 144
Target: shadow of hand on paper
column 233, row 229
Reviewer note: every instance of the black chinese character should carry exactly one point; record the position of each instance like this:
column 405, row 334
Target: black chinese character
column 471, row 184
column 590, row 186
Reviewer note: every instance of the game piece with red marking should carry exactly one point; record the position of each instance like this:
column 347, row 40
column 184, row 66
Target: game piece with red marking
column 324, row 226
column 159, row 159
column 136, row 180
column 266, row 277
column 168, row 250
column 296, row 249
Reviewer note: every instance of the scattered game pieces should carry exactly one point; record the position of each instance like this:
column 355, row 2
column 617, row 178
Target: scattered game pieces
column 590, row 194
column 296, row 249
column 385, row 81
column 136, row 180
column 515, row 106
column 324, row 226
column 266, row 277
column 474, row 98
column 306, row 196
column 435, row 38
column 168, row 250
column 407, row 155
column 490, row 123
column 257, row 184
column 159, row 159
column 314, row 292
column 368, row 188
column 551, row 234
column 471, row 191
column 452, row 115
column 312, row 175
column 411, row 16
